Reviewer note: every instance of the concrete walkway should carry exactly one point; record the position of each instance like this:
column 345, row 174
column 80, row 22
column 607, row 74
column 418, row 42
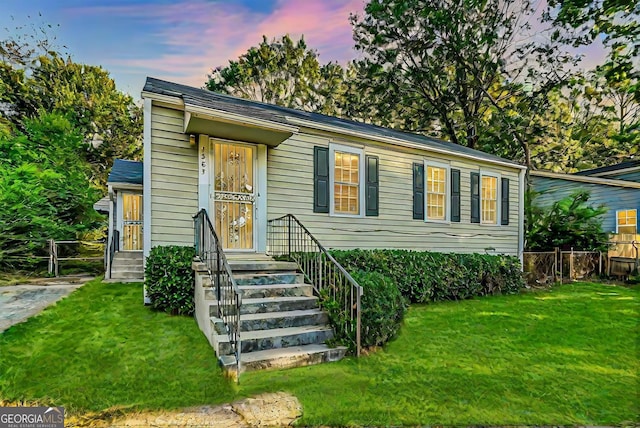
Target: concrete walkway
column 20, row 302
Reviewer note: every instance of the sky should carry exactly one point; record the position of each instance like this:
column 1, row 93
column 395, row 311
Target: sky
column 182, row 40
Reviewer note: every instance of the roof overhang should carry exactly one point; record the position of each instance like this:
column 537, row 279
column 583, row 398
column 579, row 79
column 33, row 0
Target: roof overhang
column 586, row 179
column 123, row 186
column 398, row 142
column 225, row 125
column 615, row 172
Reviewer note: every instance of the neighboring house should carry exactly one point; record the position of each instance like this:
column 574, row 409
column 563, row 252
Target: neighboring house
column 616, row 187
column 125, row 232
column 353, row 185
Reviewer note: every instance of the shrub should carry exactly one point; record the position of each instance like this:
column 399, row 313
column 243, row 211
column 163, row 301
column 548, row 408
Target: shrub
column 428, row 276
column 169, row 279
column 569, row 222
column 383, row 308
column 381, row 313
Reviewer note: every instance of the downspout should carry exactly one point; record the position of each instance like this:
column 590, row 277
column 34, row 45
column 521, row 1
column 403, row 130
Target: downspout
column 146, row 189
column 521, row 188
column 107, row 270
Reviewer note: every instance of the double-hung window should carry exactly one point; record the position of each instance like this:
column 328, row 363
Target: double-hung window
column 437, row 191
column 489, row 199
column 627, row 221
column 347, row 180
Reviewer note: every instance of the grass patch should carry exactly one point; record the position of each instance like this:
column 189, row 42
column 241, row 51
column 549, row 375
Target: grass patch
column 563, row 357
column 567, row 356
column 101, row 348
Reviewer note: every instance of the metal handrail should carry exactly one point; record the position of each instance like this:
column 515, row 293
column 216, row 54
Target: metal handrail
column 114, row 246
column 287, row 236
column 210, row 252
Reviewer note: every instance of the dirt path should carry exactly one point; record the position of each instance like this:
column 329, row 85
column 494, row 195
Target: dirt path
column 20, row 302
column 266, row 410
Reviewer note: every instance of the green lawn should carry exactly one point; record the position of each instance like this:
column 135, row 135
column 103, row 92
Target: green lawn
column 101, row 348
column 564, row 357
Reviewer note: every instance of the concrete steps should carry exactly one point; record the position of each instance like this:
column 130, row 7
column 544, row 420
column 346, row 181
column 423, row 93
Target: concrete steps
column 281, row 324
column 127, row 265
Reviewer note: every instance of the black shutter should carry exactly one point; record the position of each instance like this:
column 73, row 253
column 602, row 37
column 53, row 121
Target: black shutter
column 372, row 186
column 321, row 180
column 455, row 195
column 475, row 197
column 418, row 191
column 505, row 202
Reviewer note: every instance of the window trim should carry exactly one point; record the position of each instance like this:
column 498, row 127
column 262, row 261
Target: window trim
column 333, row 148
column 498, row 177
column 618, row 224
column 447, row 197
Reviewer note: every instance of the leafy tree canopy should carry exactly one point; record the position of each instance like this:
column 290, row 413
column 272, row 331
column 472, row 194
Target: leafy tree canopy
column 44, row 188
column 35, row 78
column 281, row 72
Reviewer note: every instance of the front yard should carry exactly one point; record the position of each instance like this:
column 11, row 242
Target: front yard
column 564, row 357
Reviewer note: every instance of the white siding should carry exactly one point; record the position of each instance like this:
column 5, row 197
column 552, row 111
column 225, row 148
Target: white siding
column 290, row 190
column 174, row 179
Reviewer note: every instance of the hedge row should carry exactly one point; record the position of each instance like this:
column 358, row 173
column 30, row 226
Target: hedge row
column 428, row 277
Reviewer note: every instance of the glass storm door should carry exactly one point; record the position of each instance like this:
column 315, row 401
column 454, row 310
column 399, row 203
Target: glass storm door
column 233, row 195
column 131, row 222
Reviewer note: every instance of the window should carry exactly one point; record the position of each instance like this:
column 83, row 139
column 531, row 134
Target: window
column 489, row 199
column 627, row 221
column 347, row 174
column 437, row 190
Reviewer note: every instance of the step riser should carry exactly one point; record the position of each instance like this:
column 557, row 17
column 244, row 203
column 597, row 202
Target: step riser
column 327, row 356
column 126, row 275
column 121, row 268
column 266, row 291
column 275, row 291
column 278, row 306
column 306, row 338
column 247, row 267
column 260, row 308
column 283, row 322
column 269, row 279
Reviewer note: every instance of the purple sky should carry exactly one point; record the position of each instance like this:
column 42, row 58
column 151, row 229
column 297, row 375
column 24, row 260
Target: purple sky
column 181, row 40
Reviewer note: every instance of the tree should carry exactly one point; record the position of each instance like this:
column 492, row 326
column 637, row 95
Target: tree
column 281, row 72
column 34, row 77
column 442, row 57
column 44, row 188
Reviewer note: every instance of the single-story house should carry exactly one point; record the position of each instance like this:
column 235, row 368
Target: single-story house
column 352, row 184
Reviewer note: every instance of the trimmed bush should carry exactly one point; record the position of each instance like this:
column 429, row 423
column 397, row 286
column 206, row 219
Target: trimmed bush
column 383, row 308
column 428, row 276
column 170, row 280
column 382, row 311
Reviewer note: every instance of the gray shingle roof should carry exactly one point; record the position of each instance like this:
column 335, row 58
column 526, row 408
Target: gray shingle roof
column 126, row 171
column 278, row 114
column 610, row 168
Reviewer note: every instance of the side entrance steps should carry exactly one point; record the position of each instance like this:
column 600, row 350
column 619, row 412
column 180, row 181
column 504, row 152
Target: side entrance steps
column 127, row 266
column 281, row 323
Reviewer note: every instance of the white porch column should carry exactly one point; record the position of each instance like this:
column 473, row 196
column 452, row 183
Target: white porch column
column 261, row 200
column 203, row 172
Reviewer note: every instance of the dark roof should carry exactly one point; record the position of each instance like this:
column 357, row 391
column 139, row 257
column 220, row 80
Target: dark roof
column 611, row 168
column 278, row 114
column 126, row 171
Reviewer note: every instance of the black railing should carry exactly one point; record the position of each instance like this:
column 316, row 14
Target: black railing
column 114, row 246
column 286, row 236
column 209, row 251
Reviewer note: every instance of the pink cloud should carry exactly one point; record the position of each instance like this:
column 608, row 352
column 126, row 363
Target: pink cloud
column 199, row 35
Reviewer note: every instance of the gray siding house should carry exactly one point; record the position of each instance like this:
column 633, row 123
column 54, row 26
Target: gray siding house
column 353, row 185
column 615, row 187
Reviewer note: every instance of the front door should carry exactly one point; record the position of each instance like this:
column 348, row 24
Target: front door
column 131, row 222
column 234, row 195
